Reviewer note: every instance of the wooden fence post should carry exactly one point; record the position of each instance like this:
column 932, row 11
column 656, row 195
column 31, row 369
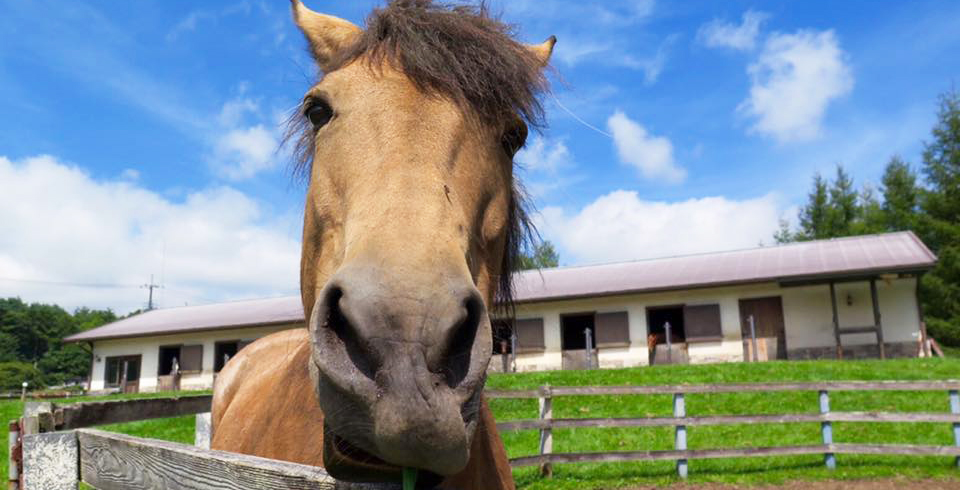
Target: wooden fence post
column 546, row 433
column 680, row 439
column 202, row 432
column 826, row 429
column 955, row 409
column 13, row 475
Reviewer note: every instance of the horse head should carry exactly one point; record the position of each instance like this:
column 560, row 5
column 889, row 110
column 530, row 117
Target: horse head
column 411, row 224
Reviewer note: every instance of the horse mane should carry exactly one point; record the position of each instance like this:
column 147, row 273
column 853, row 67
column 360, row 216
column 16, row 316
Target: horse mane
column 463, row 53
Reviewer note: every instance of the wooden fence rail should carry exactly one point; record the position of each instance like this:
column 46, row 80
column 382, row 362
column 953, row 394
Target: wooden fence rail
column 52, row 447
column 545, row 423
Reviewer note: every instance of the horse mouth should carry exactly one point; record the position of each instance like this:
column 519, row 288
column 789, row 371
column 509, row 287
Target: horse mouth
column 344, row 461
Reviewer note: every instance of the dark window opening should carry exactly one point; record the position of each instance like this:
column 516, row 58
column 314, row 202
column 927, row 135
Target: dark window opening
column 502, row 336
column 167, row 354
column 657, row 319
column 223, row 352
column 122, row 369
column 572, row 328
column 113, row 371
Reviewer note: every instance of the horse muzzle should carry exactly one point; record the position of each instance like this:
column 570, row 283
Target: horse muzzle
column 399, row 369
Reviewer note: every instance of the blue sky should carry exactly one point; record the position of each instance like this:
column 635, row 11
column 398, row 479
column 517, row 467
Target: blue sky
column 141, row 137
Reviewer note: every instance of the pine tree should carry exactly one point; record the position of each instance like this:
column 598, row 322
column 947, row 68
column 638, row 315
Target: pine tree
column 813, row 216
column 939, row 224
column 899, row 195
column 872, row 217
column 842, row 209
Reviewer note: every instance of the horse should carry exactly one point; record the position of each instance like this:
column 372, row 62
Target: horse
column 413, row 223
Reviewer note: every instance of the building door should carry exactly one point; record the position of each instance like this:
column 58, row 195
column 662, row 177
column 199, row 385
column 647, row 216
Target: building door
column 767, row 314
column 123, row 372
column 573, row 341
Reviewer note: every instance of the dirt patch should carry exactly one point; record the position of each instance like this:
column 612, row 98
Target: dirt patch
column 895, row 484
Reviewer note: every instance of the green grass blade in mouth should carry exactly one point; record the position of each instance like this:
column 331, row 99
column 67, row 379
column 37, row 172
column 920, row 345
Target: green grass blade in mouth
column 409, row 478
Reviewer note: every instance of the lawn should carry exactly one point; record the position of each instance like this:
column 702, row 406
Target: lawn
column 745, row 470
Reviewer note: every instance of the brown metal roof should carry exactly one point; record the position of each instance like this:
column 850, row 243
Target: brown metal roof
column 837, row 258
column 217, row 316
column 840, row 257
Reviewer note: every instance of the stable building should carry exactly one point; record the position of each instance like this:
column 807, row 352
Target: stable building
column 844, row 298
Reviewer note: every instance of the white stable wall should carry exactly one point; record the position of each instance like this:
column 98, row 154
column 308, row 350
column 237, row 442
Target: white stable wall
column 149, row 350
column 808, row 319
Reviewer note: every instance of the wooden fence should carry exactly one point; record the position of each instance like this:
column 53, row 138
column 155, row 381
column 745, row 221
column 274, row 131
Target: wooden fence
column 52, row 447
column 545, row 423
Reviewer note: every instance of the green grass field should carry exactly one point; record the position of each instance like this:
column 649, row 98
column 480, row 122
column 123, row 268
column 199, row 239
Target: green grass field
column 745, row 470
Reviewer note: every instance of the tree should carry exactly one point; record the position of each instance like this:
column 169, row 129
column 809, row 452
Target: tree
column 899, row 195
column 34, row 333
column 542, row 256
column 842, row 209
column 783, row 233
column 872, row 218
column 813, row 216
column 939, row 223
column 13, row 374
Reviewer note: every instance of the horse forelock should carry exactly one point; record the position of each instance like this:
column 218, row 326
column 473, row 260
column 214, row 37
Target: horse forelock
column 462, row 53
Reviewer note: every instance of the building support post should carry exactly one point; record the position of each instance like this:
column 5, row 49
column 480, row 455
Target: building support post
column 666, row 328
column 589, row 345
column 513, row 351
column 836, row 319
column 876, row 317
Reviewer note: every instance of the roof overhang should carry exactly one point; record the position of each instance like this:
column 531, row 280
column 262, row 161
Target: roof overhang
column 167, row 333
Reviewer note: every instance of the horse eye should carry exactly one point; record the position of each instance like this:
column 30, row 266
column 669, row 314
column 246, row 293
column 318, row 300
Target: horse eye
column 514, row 138
column 319, row 113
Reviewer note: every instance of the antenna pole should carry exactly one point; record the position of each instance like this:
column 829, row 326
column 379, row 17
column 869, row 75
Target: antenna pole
column 151, row 287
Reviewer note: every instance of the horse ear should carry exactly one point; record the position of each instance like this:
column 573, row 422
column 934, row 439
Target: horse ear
column 327, row 35
column 543, row 50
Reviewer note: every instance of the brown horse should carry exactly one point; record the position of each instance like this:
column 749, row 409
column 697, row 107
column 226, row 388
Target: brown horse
column 411, row 227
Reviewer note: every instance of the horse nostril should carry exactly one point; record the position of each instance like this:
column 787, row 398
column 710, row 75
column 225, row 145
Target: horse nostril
column 337, row 321
column 456, row 360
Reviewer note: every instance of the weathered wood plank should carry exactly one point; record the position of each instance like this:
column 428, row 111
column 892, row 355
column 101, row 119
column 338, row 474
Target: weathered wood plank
column 111, row 461
column 940, row 385
column 50, row 461
column 89, row 414
column 908, row 449
column 619, row 456
column 528, row 424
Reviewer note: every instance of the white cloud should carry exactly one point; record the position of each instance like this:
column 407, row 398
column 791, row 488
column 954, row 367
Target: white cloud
column 543, row 155
column 571, row 53
column 59, row 224
column 546, row 167
column 244, row 146
column 743, row 37
column 620, row 226
column 793, row 81
column 242, row 153
column 651, row 155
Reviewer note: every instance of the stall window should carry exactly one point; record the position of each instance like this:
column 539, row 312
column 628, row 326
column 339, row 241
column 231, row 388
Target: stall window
column 613, row 329
column 530, row 335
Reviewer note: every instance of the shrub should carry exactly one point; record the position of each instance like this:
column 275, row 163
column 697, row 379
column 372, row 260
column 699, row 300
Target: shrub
column 13, row 374
column 944, row 331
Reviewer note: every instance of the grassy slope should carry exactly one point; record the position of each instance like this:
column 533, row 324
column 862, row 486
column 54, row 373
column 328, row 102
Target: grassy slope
column 761, row 470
